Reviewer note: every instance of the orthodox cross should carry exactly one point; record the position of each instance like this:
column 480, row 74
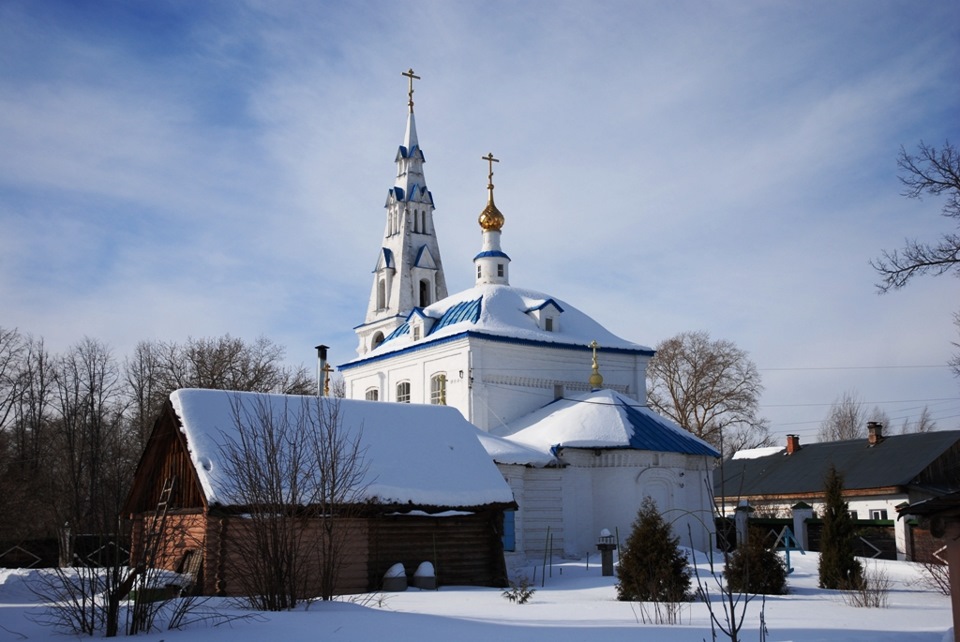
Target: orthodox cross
column 490, row 160
column 411, row 77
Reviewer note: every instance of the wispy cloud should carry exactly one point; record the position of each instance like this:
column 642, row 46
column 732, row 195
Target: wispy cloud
column 196, row 169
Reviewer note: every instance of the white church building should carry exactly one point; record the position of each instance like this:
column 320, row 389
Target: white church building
column 579, row 450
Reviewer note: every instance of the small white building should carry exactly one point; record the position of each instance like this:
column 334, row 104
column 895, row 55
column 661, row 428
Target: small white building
column 517, row 364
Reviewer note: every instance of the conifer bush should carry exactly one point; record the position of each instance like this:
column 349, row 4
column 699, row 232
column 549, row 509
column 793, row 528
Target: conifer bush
column 839, row 569
column 756, row 568
column 652, row 566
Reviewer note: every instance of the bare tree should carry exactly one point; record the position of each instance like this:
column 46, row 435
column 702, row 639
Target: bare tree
column 225, row 363
column 923, row 423
column 709, row 387
column 295, row 472
column 11, row 353
column 930, row 172
column 954, row 362
column 845, row 419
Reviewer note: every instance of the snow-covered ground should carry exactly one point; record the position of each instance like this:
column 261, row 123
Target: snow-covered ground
column 575, row 604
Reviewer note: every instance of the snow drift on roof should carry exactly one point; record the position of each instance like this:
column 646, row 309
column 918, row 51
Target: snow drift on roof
column 754, row 453
column 420, row 454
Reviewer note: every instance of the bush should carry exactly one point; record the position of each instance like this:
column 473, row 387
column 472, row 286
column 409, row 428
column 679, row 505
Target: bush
column 871, row 591
column 652, row 567
column 756, row 568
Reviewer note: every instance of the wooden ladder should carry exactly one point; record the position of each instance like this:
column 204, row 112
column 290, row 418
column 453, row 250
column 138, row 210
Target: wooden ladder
column 153, row 536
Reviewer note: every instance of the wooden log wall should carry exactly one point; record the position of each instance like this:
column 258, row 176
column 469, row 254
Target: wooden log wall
column 465, row 550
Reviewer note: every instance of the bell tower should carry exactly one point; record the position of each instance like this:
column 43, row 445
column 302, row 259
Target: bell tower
column 408, row 273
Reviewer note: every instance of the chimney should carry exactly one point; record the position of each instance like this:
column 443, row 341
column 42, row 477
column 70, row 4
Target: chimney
column 874, row 432
column 793, row 444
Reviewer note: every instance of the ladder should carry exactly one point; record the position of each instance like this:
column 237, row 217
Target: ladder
column 152, row 537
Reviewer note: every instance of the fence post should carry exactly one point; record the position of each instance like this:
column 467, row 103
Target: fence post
column 801, row 513
column 902, row 536
column 741, row 519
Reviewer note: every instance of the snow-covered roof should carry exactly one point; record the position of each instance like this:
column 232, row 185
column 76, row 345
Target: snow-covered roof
column 601, row 419
column 754, row 453
column 502, row 311
column 418, row 454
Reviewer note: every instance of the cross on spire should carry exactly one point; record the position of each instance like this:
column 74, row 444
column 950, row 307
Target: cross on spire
column 411, row 77
column 490, row 160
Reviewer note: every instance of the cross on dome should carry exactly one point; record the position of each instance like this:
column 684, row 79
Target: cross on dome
column 490, row 218
column 411, row 77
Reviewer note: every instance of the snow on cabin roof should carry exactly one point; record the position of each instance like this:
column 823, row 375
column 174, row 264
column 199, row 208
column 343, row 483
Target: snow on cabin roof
column 602, row 419
column 502, row 312
column 419, row 454
column 755, row 453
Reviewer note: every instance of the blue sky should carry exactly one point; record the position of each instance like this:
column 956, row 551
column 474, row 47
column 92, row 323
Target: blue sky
column 174, row 169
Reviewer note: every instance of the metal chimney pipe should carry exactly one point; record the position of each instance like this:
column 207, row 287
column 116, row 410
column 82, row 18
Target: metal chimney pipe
column 321, row 367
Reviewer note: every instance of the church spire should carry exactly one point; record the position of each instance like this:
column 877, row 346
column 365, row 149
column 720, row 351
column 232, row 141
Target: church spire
column 408, row 272
column 492, row 263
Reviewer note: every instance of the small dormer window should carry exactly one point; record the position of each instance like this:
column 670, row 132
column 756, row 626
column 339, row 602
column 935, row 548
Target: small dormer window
column 548, row 324
column 416, row 333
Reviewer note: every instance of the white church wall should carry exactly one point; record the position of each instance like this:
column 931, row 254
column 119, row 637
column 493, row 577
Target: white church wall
column 513, row 379
column 618, row 480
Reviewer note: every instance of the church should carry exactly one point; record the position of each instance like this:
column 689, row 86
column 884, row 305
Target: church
column 560, row 400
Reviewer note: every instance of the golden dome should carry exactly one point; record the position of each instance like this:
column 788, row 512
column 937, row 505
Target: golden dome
column 490, row 218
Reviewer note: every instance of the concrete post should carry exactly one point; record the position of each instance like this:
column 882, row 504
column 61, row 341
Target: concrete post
column 742, row 521
column 801, row 513
column 606, row 543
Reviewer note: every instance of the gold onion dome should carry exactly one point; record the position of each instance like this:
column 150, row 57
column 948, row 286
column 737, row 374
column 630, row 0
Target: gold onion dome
column 490, row 218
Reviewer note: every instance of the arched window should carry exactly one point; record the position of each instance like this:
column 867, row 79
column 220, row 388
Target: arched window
column 438, row 389
column 377, row 340
column 424, row 293
column 403, row 392
column 372, row 394
column 381, row 294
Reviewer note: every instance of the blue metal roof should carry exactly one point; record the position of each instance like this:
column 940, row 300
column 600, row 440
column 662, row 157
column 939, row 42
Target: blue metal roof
column 463, row 311
column 496, row 253
column 545, row 304
column 400, row 331
column 651, row 432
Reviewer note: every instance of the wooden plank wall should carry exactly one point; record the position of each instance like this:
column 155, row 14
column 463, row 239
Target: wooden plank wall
column 465, row 550
column 542, row 506
column 226, row 559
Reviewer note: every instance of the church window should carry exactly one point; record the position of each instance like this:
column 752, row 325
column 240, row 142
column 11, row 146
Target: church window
column 479, row 272
column 548, row 324
column 509, row 530
column 438, row 389
column 416, row 333
column 424, row 293
column 381, row 294
column 403, row 392
column 372, row 394
column 500, row 269
column 423, row 221
column 416, row 221
column 377, row 340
